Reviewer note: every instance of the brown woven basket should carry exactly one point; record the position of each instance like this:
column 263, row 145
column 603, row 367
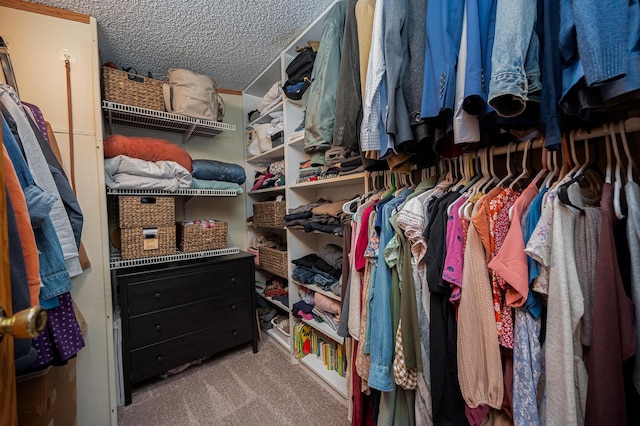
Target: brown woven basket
column 131, row 89
column 139, row 211
column 269, row 213
column 134, row 245
column 193, row 237
column 274, row 261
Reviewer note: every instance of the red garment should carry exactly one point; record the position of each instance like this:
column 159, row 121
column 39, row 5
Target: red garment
column 613, row 338
column 363, row 238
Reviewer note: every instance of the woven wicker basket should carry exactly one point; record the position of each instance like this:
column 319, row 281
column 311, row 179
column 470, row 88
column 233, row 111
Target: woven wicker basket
column 269, row 213
column 131, row 89
column 274, row 261
column 193, row 237
column 139, row 211
column 134, row 245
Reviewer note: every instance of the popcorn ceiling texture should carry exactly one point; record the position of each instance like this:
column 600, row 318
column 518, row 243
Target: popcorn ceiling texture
column 229, row 40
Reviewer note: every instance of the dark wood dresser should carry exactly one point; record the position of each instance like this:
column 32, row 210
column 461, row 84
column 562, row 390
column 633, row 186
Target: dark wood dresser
column 177, row 312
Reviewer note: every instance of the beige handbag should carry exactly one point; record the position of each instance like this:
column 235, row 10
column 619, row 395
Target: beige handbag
column 192, row 94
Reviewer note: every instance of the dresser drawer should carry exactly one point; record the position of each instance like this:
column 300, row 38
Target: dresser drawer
column 156, row 359
column 170, row 323
column 161, row 290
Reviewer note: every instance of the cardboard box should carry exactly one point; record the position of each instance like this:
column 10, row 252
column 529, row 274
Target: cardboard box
column 48, row 397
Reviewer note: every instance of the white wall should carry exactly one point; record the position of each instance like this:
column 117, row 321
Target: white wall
column 34, row 43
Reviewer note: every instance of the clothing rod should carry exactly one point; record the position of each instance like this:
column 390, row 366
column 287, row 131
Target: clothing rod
column 502, row 150
column 630, row 125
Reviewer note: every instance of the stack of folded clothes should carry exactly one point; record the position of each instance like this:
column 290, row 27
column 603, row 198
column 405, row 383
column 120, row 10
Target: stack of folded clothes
column 323, row 269
column 341, row 161
column 298, row 216
column 214, row 174
column 317, row 306
column 322, row 215
column 269, row 176
column 328, row 218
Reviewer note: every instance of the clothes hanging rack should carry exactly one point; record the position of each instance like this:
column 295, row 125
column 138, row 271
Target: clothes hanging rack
column 630, row 125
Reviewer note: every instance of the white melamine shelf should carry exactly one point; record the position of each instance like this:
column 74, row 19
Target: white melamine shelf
column 325, row 329
column 319, row 289
column 264, row 116
column 252, row 225
column 262, row 268
column 275, row 153
column 331, row 182
column 268, row 190
column 132, row 116
column 279, row 337
column 185, row 192
column 278, row 304
column 339, row 384
column 116, row 262
column 315, row 231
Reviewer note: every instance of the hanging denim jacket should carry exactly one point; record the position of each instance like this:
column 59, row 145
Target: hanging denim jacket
column 53, row 271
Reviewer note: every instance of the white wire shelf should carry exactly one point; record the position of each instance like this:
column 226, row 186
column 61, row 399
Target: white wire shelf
column 116, row 262
column 185, row 192
column 132, row 116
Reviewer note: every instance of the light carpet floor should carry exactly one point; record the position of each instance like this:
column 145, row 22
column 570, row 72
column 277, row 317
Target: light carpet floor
column 236, row 388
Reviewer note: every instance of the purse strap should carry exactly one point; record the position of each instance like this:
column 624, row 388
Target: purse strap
column 72, row 167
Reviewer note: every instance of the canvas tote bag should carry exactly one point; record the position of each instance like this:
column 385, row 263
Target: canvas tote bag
column 192, row 94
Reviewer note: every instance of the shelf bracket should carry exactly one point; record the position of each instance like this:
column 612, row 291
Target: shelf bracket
column 187, row 134
column 110, row 122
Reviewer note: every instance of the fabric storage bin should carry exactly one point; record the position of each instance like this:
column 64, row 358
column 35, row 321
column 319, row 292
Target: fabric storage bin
column 201, row 235
column 269, row 213
column 131, row 89
column 139, row 211
column 147, row 242
column 274, row 261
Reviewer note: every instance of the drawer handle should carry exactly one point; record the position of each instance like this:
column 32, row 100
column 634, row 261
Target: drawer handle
column 159, row 359
column 158, row 328
column 232, row 280
column 157, row 296
column 234, row 333
column 234, row 307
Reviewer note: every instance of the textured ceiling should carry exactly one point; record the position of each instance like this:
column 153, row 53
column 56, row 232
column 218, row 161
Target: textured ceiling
column 229, row 40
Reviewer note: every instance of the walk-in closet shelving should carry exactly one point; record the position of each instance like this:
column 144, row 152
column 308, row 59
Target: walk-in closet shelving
column 299, row 243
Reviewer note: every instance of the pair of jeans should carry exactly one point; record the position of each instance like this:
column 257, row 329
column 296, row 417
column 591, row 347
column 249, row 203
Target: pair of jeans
column 515, row 70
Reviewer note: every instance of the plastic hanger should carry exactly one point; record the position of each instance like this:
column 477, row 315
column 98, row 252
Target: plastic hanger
column 574, row 158
column 493, row 178
column 617, row 185
column 509, row 171
column 525, row 170
column 631, row 164
column 543, row 172
column 551, row 157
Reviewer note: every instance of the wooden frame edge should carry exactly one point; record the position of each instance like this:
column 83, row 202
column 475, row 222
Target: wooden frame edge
column 46, row 10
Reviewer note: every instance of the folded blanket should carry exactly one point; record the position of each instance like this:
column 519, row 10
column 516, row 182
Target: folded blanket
column 132, row 173
column 217, row 170
column 215, row 184
column 327, row 304
column 150, row 149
